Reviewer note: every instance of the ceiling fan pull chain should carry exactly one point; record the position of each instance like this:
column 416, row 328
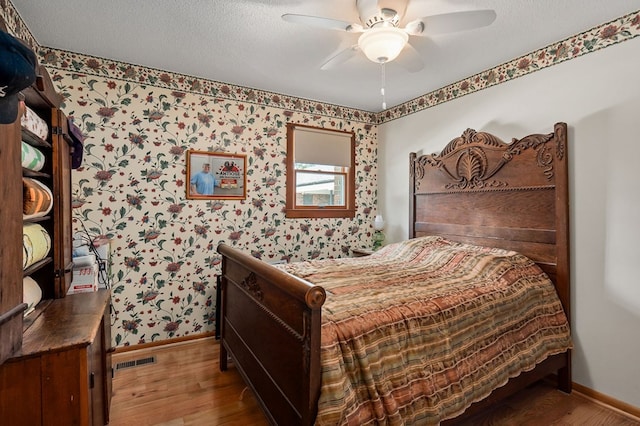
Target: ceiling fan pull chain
column 384, row 101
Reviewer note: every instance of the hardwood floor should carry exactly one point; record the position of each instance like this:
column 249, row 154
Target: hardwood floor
column 185, row 387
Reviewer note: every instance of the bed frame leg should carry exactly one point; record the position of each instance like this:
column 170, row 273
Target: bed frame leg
column 565, row 382
column 223, row 357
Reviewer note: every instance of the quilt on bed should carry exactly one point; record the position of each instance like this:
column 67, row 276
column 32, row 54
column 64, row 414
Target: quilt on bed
column 418, row 331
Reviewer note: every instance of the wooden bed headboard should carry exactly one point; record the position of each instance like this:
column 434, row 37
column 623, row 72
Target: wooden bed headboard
column 484, row 191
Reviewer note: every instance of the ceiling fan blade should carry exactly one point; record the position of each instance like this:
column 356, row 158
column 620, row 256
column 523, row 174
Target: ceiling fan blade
column 410, row 59
column 451, row 22
column 320, row 22
column 341, row 57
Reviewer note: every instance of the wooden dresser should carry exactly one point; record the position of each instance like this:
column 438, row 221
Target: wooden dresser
column 62, row 375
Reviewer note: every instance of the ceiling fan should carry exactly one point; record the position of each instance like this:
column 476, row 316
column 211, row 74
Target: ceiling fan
column 382, row 39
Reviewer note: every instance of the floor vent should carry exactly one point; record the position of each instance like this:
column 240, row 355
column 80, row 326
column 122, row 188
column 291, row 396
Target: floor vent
column 136, row 362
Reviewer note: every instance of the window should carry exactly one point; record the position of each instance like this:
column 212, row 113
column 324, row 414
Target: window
column 320, row 172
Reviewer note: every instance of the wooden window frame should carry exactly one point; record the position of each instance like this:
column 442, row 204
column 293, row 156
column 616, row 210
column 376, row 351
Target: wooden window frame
column 294, row 211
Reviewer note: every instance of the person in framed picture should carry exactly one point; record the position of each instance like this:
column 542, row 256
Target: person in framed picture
column 203, row 182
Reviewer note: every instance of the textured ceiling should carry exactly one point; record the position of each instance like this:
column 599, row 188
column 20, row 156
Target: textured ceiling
column 246, row 43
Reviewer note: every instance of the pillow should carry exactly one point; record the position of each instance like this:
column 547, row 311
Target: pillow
column 31, row 294
column 36, row 244
column 34, row 124
column 32, row 158
column 37, row 199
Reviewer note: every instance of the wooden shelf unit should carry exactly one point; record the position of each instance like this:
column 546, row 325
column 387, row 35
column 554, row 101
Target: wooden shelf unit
column 55, row 363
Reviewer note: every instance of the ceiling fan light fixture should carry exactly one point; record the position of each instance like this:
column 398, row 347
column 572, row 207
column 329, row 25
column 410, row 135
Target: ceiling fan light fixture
column 383, row 44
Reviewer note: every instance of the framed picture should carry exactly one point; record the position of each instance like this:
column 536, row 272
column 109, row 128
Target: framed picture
column 216, row 176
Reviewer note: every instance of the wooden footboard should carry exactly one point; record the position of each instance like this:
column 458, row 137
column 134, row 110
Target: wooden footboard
column 271, row 331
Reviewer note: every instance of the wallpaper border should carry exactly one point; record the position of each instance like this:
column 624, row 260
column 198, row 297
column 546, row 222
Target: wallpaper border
column 106, row 68
column 605, row 35
column 610, row 33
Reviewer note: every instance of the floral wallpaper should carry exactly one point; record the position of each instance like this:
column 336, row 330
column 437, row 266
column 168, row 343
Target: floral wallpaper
column 131, row 187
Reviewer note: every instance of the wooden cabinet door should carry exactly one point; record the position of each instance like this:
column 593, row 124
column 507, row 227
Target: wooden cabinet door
column 98, row 378
column 101, row 371
column 108, row 368
column 63, row 233
column 10, row 241
column 21, row 404
column 65, row 388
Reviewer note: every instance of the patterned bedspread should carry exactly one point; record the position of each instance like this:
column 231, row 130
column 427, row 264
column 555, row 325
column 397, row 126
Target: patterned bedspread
column 418, row 331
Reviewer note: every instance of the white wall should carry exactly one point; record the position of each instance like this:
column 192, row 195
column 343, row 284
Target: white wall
column 598, row 96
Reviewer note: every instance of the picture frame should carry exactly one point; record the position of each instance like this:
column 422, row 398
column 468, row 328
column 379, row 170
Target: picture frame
column 227, row 170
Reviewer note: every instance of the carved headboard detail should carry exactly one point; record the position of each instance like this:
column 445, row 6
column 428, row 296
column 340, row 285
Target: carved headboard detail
column 471, row 161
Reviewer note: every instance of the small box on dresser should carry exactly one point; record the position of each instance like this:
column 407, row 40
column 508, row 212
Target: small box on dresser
column 85, row 280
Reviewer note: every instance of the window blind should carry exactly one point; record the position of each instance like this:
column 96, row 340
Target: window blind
column 325, row 147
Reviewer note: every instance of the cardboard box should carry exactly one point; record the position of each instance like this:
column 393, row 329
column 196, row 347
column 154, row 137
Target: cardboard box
column 85, row 279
